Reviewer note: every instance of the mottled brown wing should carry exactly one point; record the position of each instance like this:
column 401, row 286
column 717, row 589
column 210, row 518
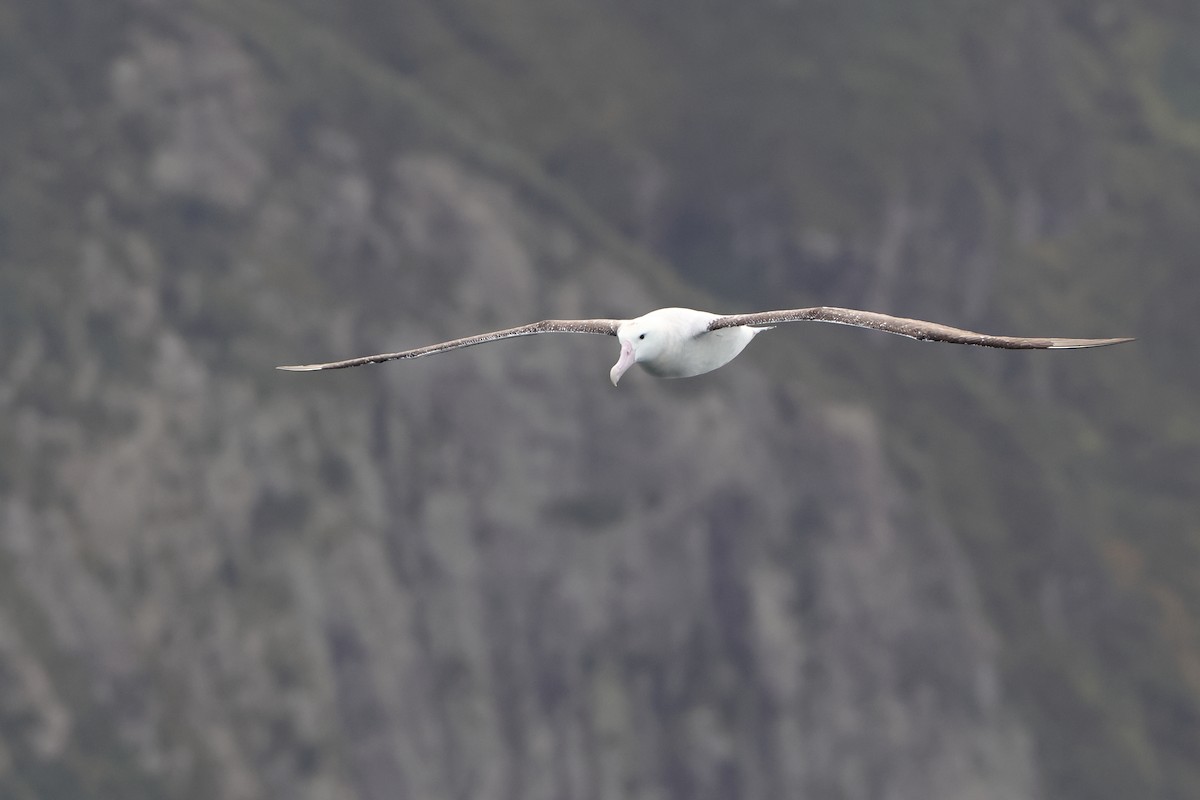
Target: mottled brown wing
column 912, row 328
column 606, row 327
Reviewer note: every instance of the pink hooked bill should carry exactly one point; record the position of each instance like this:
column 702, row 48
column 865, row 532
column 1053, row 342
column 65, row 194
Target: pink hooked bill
column 626, row 361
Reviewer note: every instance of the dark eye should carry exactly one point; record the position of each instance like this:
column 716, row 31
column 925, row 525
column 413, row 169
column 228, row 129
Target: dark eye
column 643, row 336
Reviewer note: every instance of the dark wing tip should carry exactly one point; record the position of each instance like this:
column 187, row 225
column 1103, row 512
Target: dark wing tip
column 1076, row 344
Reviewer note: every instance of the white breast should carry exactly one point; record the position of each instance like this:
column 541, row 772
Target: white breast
column 693, row 349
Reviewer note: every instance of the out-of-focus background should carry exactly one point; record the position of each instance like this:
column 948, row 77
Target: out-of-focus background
column 847, row 565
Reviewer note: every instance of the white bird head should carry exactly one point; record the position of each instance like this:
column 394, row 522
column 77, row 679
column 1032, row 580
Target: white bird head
column 642, row 340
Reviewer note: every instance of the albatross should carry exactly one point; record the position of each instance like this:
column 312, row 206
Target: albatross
column 683, row 342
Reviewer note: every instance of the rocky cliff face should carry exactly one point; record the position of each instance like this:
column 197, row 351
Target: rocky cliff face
column 486, row 575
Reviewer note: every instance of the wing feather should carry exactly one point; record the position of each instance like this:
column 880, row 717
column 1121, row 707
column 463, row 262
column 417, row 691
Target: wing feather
column 606, row 327
column 903, row 326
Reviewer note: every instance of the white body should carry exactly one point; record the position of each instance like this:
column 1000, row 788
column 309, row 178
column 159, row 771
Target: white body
column 676, row 343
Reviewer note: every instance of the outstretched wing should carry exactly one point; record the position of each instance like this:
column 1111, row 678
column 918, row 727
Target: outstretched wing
column 606, row 327
column 912, row 328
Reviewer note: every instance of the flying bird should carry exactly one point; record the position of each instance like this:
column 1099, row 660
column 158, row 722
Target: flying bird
column 682, row 342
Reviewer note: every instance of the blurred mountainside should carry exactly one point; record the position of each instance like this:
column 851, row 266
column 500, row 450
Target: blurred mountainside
column 845, row 566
